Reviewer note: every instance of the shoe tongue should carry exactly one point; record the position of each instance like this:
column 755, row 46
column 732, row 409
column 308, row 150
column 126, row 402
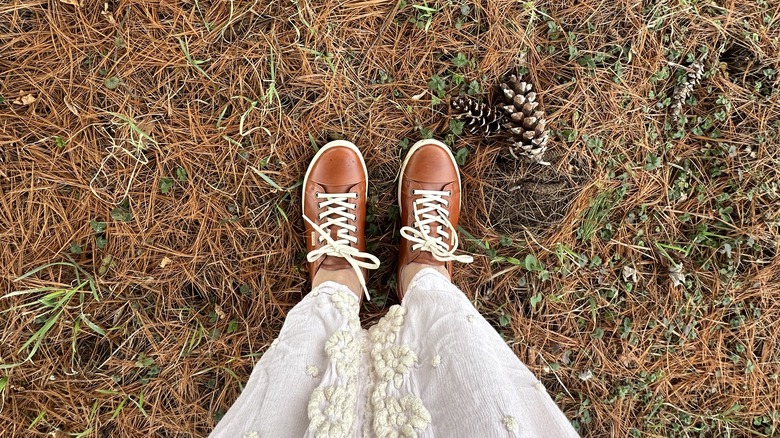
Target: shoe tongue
column 339, row 188
column 434, row 187
column 333, row 263
column 333, row 233
column 428, row 259
column 435, row 234
column 427, row 185
column 346, row 188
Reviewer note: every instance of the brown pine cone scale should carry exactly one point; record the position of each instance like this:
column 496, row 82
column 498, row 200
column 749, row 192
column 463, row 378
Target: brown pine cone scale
column 524, row 119
column 478, row 117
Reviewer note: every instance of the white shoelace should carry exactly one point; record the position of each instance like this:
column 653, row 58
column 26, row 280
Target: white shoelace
column 337, row 213
column 433, row 212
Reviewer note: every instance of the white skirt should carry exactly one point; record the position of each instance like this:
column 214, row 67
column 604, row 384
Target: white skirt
column 431, row 367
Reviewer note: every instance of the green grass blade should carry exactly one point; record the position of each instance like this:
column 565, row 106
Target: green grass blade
column 266, row 178
column 30, row 291
column 119, row 408
column 133, row 126
column 42, row 267
column 76, row 328
column 37, row 419
column 96, row 328
column 3, row 383
column 37, row 338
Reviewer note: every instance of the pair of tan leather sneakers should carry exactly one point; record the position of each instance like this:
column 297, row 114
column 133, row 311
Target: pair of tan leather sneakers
column 334, row 209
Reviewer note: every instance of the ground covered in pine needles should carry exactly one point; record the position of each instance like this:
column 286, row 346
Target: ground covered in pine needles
column 151, row 156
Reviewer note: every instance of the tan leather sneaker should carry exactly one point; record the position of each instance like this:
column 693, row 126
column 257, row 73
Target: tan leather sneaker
column 429, row 197
column 334, row 209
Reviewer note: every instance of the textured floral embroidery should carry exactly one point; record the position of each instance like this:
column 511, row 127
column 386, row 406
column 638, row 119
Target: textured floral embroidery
column 345, row 301
column 511, row 424
column 436, row 361
column 251, row 434
column 332, row 411
column 343, row 350
column 312, row 371
column 347, row 304
column 401, row 418
column 471, row 318
column 392, row 364
column 393, row 416
column 332, row 408
column 386, row 330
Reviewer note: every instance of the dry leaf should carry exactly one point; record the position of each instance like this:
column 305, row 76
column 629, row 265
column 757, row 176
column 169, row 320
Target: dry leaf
column 25, row 100
column 531, row 356
column 585, row 375
column 419, row 96
column 566, row 358
column 72, row 107
column 165, row 262
column 118, row 313
column 218, row 310
column 147, row 126
column 677, row 275
column 108, row 14
column 629, row 274
column 75, row 3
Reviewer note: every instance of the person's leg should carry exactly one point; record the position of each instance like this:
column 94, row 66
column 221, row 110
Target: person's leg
column 335, row 188
column 312, row 354
column 454, row 372
column 429, row 198
column 466, row 376
column 439, row 369
column 307, row 383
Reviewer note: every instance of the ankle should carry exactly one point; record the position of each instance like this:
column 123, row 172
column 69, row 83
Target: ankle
column 346, row 277
column 410, row 271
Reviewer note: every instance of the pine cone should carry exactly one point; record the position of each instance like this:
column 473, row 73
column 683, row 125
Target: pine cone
column 524, row 119
column 478, row 117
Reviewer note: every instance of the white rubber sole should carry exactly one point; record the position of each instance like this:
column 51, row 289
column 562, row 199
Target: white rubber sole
column 412, row 150
column 329, row 145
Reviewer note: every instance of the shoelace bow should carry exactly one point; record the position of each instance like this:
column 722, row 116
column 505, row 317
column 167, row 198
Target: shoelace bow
column 433, row 212
column 337, row 213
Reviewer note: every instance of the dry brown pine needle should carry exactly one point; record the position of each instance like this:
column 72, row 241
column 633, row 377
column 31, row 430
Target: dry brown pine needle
column 154, row 151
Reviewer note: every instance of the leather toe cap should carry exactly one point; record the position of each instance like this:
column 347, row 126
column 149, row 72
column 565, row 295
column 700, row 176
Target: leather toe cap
column 431, row 163
column 337, row 166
